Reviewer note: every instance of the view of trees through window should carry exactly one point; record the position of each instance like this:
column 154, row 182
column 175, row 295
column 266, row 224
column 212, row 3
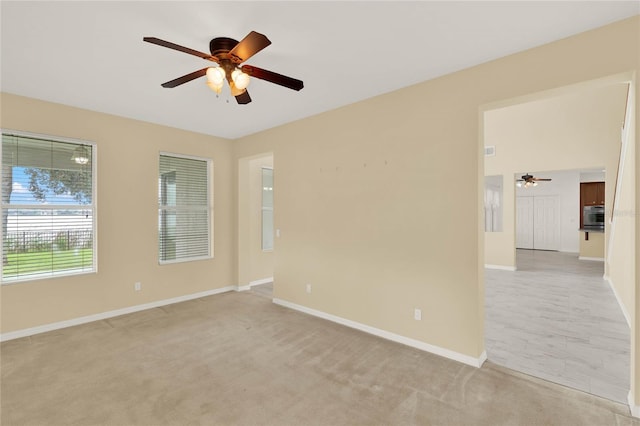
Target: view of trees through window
column 47, row 208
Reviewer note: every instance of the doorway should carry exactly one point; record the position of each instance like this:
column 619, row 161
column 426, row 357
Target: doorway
column 256, row 189
column 544, row 315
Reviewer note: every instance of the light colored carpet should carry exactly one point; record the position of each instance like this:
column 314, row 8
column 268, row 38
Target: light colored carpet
column 238, row 359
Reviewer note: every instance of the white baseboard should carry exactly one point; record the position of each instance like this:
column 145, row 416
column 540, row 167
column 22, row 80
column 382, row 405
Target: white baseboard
column 260, row 282
column 635, row 409
column 252, row 283
column 500, row 267
column 481, row 359
column 598, row 259
column 456, row 356
column 109, row 314
column 622, row 308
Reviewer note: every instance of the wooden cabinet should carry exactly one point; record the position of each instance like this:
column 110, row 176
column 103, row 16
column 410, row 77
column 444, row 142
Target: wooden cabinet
column 591, row 194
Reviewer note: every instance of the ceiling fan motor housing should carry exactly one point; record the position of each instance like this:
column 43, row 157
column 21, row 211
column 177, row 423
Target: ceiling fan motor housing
column 220, row 46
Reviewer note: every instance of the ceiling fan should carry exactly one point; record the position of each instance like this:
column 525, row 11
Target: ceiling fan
column 229, row 54
column 528, row 180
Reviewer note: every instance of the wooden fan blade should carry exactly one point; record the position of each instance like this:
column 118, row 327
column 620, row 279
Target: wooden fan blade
column 249, row 46
column 243, row 98
column 185, row 78
column 241, row 95
column 541, row 180
column 273, row 77
column 163, row 43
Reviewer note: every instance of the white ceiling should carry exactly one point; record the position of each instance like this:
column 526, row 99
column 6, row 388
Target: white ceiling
column 91, row 54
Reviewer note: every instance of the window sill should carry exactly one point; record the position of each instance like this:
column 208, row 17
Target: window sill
column 47, row 275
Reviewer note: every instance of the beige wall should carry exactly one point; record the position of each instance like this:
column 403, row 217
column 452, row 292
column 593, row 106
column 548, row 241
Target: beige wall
column 127, row 213
column 578, row 130
column 635, row 211
column 378, row 203
column 621, row 255
column 593, row 247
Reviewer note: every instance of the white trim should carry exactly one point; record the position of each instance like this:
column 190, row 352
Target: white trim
column 501, row 267
column 247, row 287
column 262, row 281
column 456, row 356
column 597, row 259
column 47, row 275
column 184, row 259
column 624, row 139
column 185, row 156
column 622, row 308
column 46, row 137
column 481, row 359
column 635, row 409
column 109, row 314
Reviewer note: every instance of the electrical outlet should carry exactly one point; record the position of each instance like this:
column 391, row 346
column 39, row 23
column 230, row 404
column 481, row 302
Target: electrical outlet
column 308, row 288
column 137, row 286
column 417, row 314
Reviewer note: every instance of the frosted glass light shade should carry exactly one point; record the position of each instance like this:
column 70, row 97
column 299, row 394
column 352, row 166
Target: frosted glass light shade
column 215, row 75
column 216, row 87
column 240, row 79
column 235, row 91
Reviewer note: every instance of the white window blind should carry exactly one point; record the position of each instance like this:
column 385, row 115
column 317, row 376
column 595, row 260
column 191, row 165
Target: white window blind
column 184, row 213
column 48, row 207
column 267, row 208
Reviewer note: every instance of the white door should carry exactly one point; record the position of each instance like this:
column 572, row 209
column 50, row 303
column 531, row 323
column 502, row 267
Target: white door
column 546, row 225
column 537, row 223
column 524, row 222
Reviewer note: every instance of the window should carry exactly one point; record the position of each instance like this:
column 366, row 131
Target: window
column 267, row 209
column 493, row 203
column 184, row 209
column 48, row 207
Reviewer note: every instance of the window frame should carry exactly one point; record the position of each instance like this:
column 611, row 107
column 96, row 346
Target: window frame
column 93, row 207
column 210, row 208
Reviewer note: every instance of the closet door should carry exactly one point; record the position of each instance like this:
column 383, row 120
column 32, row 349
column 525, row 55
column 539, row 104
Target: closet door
column 546, row 224
column 538, row 223
column 524, row 222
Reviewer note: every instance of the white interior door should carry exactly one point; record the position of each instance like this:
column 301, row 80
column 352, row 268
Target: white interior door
column 537, row 222
column 546, row 224
column 524, row 222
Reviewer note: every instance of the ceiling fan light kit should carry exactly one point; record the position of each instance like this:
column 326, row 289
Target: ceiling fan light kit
column 229, row 54
column 528, row 181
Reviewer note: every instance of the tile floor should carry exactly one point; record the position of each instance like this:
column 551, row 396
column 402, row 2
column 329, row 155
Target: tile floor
column 557, row 319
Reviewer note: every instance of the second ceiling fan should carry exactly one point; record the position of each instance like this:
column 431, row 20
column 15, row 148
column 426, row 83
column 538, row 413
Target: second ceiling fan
column 528, row 180
column 229, row 54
